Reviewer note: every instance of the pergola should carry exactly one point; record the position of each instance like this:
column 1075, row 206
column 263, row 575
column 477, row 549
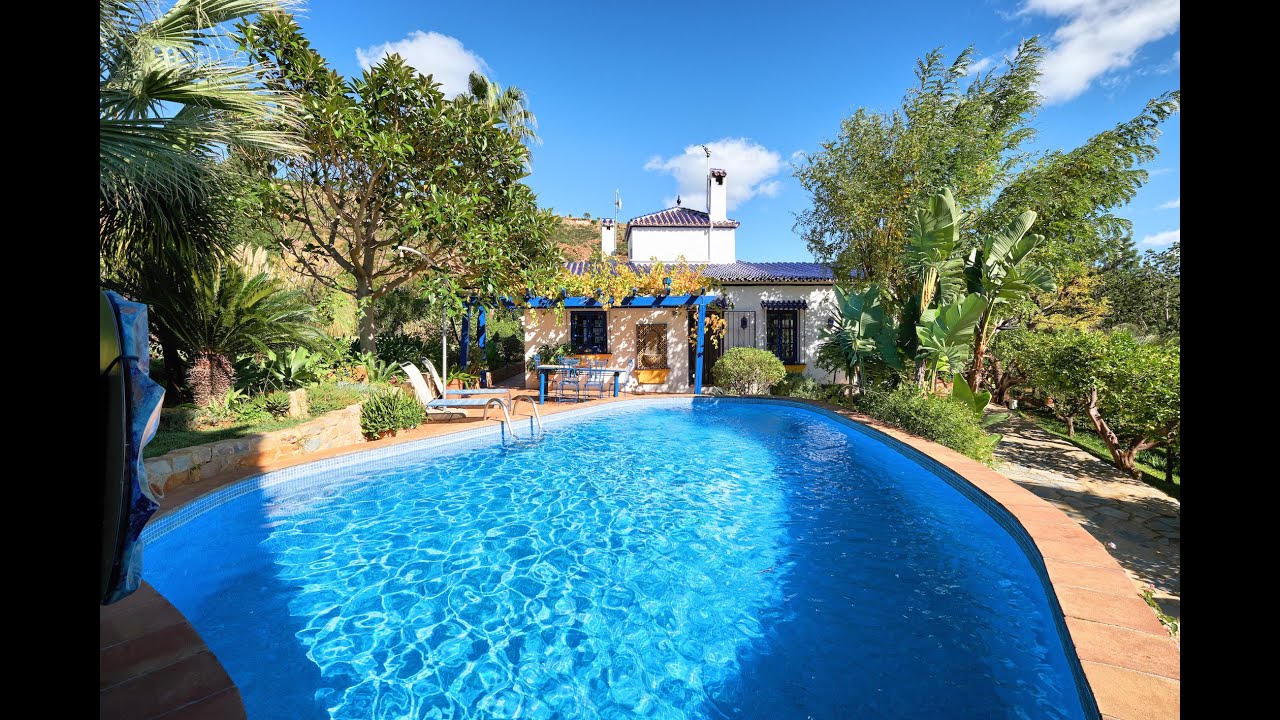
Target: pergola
column 701, row 301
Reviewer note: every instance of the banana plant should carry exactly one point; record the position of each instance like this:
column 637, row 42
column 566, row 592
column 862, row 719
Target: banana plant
column 945, row 334
column 975, row 401
column 860, row 330
column 931, row 256
column 1000, row 274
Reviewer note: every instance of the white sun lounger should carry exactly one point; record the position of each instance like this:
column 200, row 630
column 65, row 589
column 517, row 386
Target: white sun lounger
column 429, row 400
column 445, row 392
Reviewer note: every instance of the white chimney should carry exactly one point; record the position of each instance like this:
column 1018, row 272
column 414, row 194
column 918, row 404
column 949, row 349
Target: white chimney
column 607, row 240
column 716, row 203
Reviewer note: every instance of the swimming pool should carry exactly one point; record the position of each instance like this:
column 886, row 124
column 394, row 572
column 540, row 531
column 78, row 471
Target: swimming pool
column 671, row 559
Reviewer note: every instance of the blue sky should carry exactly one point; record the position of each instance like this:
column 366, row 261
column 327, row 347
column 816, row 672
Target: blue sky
column 622, row 90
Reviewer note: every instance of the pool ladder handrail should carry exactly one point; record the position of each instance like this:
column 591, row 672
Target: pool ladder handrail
column 507, row 416
column 533, row 407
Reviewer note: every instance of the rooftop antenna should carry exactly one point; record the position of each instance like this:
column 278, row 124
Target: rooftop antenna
column 707, row 150
column 617, row 205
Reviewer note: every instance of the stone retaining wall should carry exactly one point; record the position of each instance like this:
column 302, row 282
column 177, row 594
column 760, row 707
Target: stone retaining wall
column 187, row 465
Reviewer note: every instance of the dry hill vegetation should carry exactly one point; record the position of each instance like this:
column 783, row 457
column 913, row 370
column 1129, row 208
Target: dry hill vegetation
column 579, row 237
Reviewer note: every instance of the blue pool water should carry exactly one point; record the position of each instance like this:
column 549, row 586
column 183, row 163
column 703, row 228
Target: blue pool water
column 706, row 560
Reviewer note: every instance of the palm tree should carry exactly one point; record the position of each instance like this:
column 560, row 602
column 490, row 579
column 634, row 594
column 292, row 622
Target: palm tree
column 171, row 104
column 510, row 105
column 214, row 314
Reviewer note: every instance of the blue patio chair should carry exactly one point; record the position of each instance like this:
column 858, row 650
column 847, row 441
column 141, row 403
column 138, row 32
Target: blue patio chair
column 595, row 377
column 568, row 376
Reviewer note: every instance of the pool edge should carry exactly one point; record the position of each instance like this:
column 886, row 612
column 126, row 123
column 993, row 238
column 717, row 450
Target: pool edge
column 1125, row 676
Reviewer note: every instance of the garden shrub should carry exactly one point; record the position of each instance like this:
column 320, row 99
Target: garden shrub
column 748, row 371
column 252, row 411
column 387, row 411
column 180, row 418
column 939, row 419
column 334, row 396
column 276, row 403
column 798, row 385
column 399, row 347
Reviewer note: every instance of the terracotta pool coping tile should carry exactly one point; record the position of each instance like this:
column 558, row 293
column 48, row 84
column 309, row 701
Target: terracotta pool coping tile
column 1085, row 577
column 1112, row 581
column 1047, row 514
column 226, row 705
column 1130, row 695
column 120, row 623
column 1077, row 551
column 184, row 682
column 1063, row 532
column 1127, row 612
column 148, row 653
column 1122, row 647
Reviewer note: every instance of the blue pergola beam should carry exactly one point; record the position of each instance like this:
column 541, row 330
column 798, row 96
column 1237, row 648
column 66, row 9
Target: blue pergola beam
column 638, row 301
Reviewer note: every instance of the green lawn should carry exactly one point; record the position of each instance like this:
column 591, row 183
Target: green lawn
column 166, row 440
column 1088, row 441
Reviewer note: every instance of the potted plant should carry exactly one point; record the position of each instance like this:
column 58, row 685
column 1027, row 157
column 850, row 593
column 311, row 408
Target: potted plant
column 459, row 380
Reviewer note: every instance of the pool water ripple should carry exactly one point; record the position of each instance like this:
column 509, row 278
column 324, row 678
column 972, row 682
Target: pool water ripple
column 726, row 561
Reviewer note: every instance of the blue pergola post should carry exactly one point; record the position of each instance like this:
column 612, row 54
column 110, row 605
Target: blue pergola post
column 466, row 337
column 482, row 335
column 697, row 368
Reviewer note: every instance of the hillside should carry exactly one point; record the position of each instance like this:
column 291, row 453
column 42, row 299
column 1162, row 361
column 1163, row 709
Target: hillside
column 579, row 237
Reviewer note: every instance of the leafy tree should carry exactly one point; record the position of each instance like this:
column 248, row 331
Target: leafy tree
column 1080, row 304
column 399, row 183
column 1145, row 295
column 866, row 182
column 170, row 101
column 1137, row 401
column 1001, row 274
column 1129, row 391
column 1014, row 360
column 220, row 312
column 1075, row 193
column 509, row 105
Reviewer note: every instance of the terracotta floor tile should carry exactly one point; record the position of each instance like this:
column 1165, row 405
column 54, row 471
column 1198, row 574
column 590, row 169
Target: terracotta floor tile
column 1129, row 695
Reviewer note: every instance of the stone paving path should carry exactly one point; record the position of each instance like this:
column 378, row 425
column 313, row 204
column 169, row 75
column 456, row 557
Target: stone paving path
column 1138, row 524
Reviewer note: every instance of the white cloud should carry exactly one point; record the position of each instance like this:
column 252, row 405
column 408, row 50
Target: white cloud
column 1097, row 37
column 981, row 65
column 1174, row 204
column 751, row 168
column 440, row 56
column 1168, row 237
column 1159, row 171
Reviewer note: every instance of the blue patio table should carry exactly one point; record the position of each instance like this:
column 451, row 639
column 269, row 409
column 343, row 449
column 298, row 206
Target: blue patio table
column 544, row 369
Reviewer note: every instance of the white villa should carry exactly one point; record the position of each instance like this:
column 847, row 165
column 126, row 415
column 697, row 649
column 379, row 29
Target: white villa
column 778, row 306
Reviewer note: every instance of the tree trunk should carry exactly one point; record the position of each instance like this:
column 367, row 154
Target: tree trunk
column 1122, row 458
column 174, row 371
column 980, row 341
column 1169, row 457
column 1071, row 426
column 368, row 321
column 210, row 377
